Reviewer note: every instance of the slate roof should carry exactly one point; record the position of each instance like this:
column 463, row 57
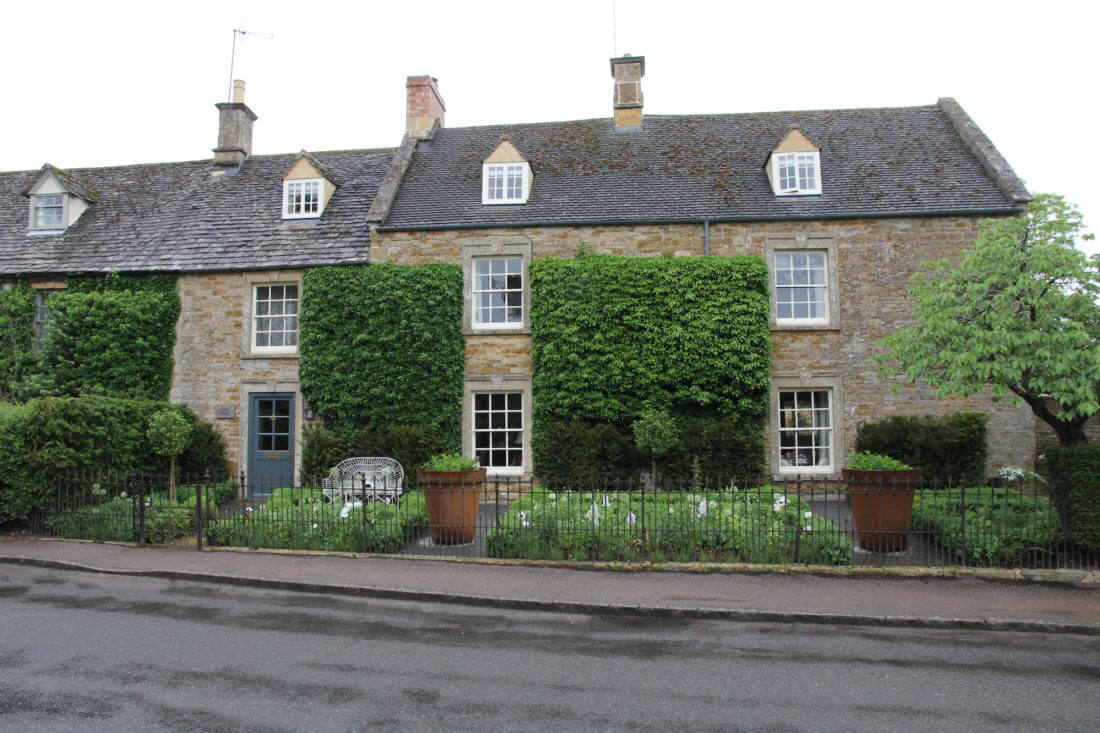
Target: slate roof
column 178, row 217
column 910, row 161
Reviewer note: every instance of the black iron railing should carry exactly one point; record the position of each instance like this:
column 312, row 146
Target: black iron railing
column 805, row 519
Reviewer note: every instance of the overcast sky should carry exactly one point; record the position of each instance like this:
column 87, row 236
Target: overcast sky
column 102, row 83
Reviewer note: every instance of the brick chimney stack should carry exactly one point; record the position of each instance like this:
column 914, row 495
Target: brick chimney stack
column 424, row 106
column 234, row 130
column 627, row 71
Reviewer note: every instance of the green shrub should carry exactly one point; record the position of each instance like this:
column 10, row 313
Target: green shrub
column 951, row 449
column 205, row 453
column 383, row 345
column 110, row 343
column 582, row 453
column 50, row 437
column 613, row 337
column 728, row 451
column 1075, row 490
column 988, row 526
column 117, row 519
column 868, row 461
column 303, row 519
column 18, row 364
column 762, row 525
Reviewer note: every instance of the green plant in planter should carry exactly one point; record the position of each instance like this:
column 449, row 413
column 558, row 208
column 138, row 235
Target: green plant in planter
column 169, row 433
column 450, row 462
column 868, row 461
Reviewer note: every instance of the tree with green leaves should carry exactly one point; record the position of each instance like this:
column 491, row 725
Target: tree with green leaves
column 655, row 434
column 1017, row 316
column 169, row 433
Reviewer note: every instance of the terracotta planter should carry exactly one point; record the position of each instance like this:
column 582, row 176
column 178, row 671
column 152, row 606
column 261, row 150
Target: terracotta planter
column 882, row 505
column 452, row 498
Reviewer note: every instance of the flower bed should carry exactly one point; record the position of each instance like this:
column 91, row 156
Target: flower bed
column 1002, row 526
column 757, row 525
column 305, row 519
column 116, row 520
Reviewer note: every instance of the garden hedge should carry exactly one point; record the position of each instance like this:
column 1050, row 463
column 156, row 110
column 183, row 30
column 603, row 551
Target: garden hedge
column 18, row 364
column 382, row 345
column 111, row 335
column 615, row 336
column 950, row 450
column 1075, row 490
column 49, row 437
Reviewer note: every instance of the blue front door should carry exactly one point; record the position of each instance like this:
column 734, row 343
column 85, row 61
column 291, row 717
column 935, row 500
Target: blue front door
column 270, row 443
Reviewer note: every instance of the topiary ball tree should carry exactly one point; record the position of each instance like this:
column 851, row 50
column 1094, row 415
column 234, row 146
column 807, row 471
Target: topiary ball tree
column 169, row 433
column 656, row 435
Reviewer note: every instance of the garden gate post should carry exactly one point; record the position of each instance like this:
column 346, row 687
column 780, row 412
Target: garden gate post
column 798, row 523
column 141, row 507
column 363, row 482
column 200, row 509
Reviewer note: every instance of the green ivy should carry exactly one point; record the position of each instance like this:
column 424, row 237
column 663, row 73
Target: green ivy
column 18, row 364
column 382, row 345
column 615, row 336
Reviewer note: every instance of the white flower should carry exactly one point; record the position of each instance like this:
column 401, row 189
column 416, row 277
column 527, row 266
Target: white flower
column 523, row 517
column 606, row 501
column 809, row 528
column 727, row 512
column 122, row 495
column 525, row 523
column 247, row 508
column 315, row 525
column 594, row 514
column 631, row 519
column 807, row 514
column 346, row 511
column 552, row 495
column 702, row 510
column 672, row 510
column 711, row 504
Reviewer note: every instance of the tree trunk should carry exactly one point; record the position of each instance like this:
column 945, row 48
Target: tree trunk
column 1069, row 432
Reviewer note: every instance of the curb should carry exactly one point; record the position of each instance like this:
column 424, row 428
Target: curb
column 580, row 607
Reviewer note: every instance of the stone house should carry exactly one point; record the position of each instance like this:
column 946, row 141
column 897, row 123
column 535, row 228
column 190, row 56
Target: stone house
column 238, row 231
column 843, row 204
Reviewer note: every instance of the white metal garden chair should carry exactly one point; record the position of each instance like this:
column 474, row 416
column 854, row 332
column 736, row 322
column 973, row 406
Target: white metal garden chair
column 380, row 479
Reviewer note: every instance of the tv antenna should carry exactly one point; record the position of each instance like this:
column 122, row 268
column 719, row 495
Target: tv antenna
column 614, row 30
column 241, row 33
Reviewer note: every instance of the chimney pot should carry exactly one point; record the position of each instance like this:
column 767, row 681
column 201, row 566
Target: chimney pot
column 424, row 105
column 234, row 130
column 627, row 71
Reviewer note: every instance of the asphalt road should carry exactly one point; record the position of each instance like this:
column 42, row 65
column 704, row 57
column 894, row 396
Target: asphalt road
column 90, row 652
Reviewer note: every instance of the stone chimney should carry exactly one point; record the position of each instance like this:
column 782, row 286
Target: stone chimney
column 627, row 71
column 234, row 130
column 424, row 105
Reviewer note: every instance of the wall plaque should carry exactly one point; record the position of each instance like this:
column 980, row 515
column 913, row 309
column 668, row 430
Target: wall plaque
column 225, row 412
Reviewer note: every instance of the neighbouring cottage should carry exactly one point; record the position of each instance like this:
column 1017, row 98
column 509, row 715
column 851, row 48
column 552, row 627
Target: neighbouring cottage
column 238, row 232
column 843, row 205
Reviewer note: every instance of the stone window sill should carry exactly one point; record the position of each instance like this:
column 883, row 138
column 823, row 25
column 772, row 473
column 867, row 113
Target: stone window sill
column 805, row 327
column 270, row 355
column 496, row 331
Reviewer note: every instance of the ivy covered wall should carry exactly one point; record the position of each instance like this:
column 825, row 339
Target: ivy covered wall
column 382, row 345
column 614, row 336
column 108, row 335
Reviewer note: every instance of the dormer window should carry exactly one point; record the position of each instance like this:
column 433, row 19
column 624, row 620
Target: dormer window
column 505, row 176
column 794, row 166
column 796, row 173
column 302, row 198
column 57, row 199
column 505, row 183
column 49, row 211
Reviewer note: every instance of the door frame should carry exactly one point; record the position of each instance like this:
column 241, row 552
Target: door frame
column 250, row 436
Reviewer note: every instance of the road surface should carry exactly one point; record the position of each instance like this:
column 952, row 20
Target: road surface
column 81, row 651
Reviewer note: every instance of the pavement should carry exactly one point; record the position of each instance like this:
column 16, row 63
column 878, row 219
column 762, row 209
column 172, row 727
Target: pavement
column 915, row 602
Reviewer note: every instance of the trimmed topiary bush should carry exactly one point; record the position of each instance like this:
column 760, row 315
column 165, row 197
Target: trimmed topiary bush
column 1075, row 491
column 587, row 454
column 951, row 449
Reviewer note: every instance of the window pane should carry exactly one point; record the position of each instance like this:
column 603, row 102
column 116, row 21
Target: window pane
column 282, row 442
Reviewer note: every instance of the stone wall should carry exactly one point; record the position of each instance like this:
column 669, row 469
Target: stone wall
column 214, row 363
column 870, row 264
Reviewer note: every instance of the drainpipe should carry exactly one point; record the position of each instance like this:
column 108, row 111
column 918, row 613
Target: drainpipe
column 706, row 236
